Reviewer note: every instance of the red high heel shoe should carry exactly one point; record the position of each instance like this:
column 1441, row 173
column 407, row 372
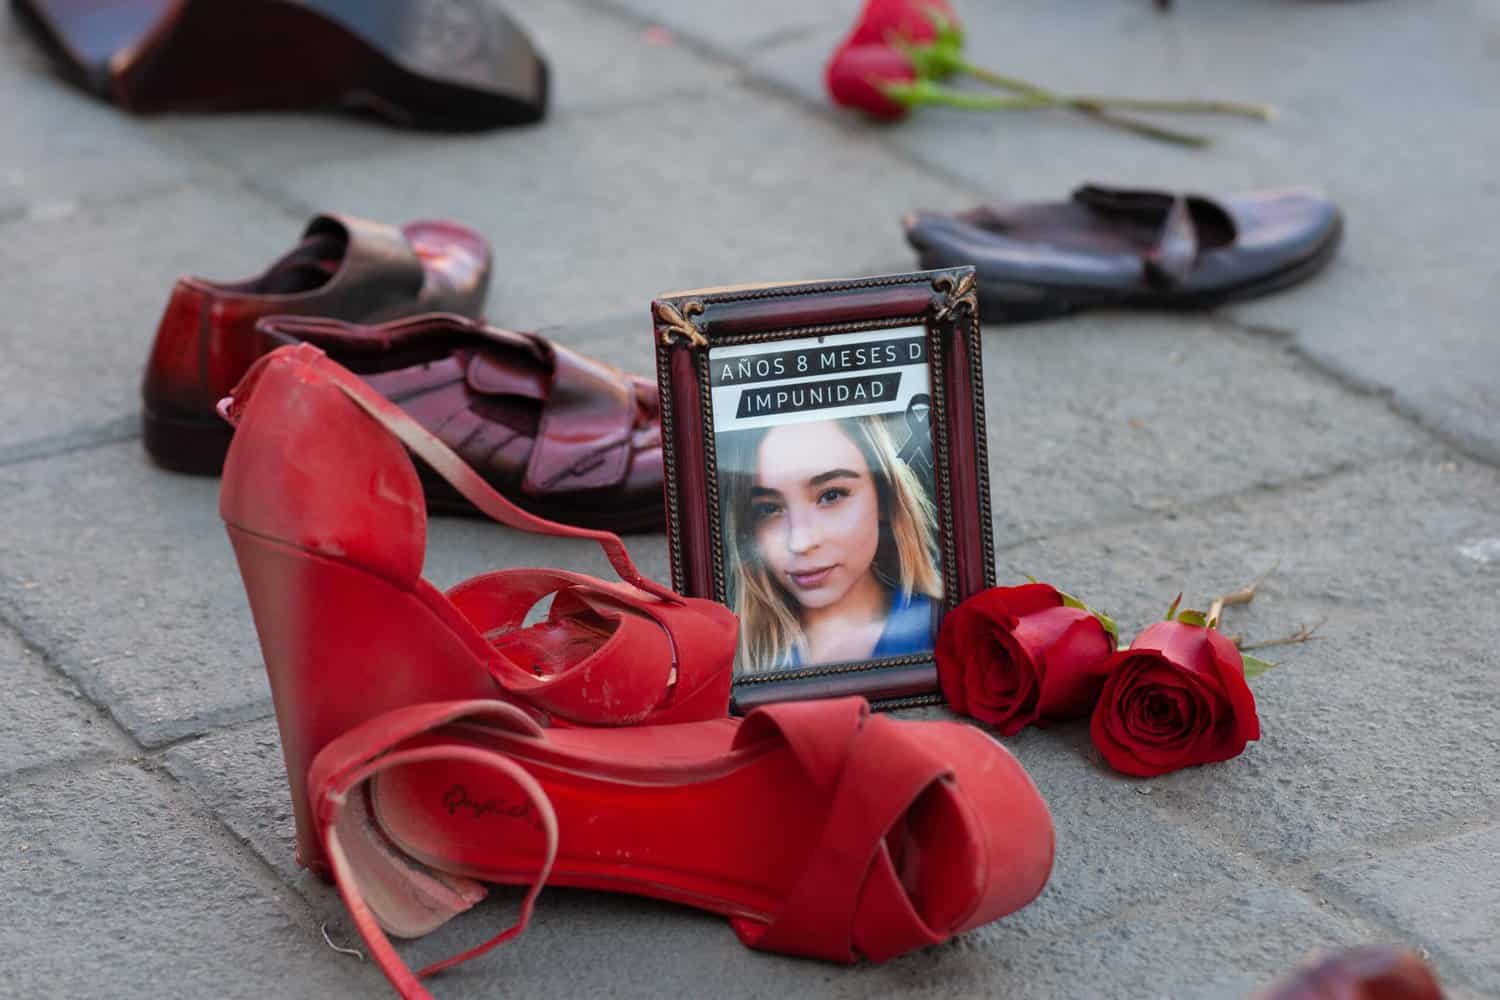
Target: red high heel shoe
column 326, row 516
column 815, row 827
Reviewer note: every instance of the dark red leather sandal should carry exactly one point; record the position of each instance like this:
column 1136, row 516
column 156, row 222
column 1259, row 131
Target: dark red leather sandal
column 326, row 517
column 345, row 267
column 817, row 828
column 562, row 435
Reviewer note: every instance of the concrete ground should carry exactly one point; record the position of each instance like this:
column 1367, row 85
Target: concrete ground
column 1345, row 433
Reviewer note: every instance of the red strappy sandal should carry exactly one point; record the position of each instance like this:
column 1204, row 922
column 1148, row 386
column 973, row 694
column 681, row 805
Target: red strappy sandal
column 326, row 516
column 817, row 828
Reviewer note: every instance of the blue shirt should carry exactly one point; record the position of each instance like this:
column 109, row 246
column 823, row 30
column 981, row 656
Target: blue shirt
column 908, row 629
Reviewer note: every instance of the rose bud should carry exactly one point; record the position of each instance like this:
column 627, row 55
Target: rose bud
column 882, row 22
column 1373, row 972
column 1177, row 697
column 857, row 76
column 1011, row 656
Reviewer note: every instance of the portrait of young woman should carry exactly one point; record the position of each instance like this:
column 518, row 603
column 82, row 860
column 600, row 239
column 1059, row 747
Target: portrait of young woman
column 830, row 544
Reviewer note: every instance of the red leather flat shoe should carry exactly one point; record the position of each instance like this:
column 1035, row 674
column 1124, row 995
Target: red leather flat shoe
column 817, row 828
column 327, row 521
column 344, row 267
column 562, row 435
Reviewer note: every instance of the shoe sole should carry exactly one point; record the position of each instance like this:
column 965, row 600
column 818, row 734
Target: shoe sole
column 1004, row 300
column 432, row 64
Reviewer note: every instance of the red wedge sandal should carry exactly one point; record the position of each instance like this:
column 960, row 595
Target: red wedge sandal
column 817, row 828
column 326, row 516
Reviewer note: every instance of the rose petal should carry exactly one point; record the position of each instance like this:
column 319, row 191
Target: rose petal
column 1073, row 665
column 1028, row 598
column 1230, row 666
column 1006, row 695
column 881, row 21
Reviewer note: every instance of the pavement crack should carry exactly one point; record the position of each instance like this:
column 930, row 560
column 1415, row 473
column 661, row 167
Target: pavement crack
column 1290, row 339
column 1141, row 516
column 123, row 428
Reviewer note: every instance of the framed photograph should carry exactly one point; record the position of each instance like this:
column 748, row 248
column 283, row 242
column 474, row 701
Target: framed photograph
column 826, row 475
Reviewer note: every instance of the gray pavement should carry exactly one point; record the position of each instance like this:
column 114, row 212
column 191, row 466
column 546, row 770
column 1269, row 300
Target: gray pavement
column 1345, row 432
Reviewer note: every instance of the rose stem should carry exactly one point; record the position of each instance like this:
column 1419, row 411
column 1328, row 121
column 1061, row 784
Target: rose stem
column 926, row 92
column 1097, row 103
column 1304, row 633
column 1244, row 595
column 1124, row 122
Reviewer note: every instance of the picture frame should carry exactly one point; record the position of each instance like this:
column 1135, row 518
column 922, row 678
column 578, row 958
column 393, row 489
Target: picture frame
column 826, row 475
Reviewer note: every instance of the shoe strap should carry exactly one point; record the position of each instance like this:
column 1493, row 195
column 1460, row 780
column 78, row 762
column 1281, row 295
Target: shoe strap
column 374, row 746
column 427, row 446
column 848, row 899
column 1173, row 254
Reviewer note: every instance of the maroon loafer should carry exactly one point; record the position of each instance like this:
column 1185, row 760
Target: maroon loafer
column 344, row 267
column 561, row 435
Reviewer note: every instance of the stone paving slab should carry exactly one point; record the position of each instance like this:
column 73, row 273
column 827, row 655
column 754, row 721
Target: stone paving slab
column 109, row 886
column 44, row 719
column 1124, row 414
column 724, row 187
column 1115, row 851
column 599, row 65
column 78, row 333
column 738, row 29
column 123, row 574
column 1218, row 946
column 1381, row 730
column 1212, row 947
column 241, row 777
column 1447, row 892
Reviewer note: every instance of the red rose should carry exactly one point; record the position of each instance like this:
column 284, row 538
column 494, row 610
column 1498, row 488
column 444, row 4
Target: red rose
column 883, row 21
column 1177, row 697
column 1011, row 656
column 857, row 75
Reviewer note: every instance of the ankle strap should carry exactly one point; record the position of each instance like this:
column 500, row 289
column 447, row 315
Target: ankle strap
column 360, row 754
column 426, row 445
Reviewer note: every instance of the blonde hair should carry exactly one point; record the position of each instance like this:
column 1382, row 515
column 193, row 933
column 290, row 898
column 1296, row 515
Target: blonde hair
column 905, row 560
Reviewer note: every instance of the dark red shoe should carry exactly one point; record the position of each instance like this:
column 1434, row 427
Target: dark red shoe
column 437, row 64
column 561, row 435
column 344, row 267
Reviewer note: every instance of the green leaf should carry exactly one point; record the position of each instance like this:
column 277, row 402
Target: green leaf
column 1190, row 617
column 1255, row 666
column 1069, row 601
column 1172, row 611
column 1109, row 626
column 949, row 32
column 932, row 60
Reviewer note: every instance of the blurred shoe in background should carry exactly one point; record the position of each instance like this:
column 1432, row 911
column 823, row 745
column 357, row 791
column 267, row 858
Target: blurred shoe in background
column 440, row 64
column 1118, row 247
